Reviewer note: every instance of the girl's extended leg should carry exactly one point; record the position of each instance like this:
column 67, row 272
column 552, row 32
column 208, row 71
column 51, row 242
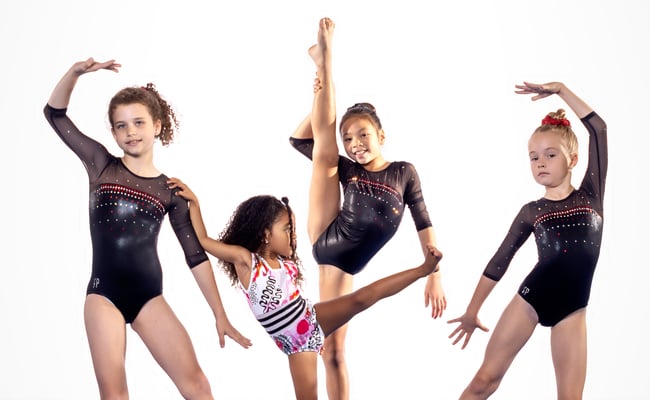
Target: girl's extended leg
column 338, row 311
column 171, row 347
column 324, row 192
column 106, row 331
column 334, row 283
column 303, row 368
column 569, row 350
column 325, row 199
column 511, row 333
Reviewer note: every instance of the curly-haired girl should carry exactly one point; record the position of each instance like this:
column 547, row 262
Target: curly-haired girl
column 257, row 249
column 129, row 199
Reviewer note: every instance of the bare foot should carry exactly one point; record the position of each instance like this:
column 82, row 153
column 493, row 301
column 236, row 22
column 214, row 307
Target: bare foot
column 321, row 51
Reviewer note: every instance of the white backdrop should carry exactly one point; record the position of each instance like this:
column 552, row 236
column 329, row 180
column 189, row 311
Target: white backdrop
column 442, row 78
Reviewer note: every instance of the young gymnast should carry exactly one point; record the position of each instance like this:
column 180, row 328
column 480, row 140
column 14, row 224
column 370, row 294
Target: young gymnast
column 129, row 199
column 568, row 226
column 345, row 237
column 257, row 250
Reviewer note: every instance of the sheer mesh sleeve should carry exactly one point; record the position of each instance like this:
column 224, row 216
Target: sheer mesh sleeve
column 93, row 154
column 518, row 233
column 594, row 180
column 304, row 146
column 414, row 199
column 179, row 218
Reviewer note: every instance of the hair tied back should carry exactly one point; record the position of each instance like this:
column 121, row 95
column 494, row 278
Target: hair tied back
column 548, row 120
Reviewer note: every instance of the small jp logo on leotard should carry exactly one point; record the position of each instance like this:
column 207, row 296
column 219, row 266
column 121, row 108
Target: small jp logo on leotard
column 95, row 283
column 525, row 290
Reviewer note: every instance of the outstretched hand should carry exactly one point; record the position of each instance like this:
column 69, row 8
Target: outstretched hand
column 224, row 328
column 90, row 65
column 540, row 90
column 466, row 328
column 184, row 190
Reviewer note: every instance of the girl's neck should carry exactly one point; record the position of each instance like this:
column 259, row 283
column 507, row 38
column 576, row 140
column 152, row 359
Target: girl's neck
column 378, row 164
column 141, row 166
column 559, row 192
column 271, row 259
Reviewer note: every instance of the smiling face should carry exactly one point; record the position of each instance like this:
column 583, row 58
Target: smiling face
column 550, row 161
column 362, row 141
column 134, row 129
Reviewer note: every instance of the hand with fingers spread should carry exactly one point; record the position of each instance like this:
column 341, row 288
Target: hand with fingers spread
column 467, row 324
column 540, row 90
column 225, row 328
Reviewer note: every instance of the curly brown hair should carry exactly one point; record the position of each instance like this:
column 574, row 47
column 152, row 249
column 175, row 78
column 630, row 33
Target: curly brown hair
column 247, row 228
column 158, row 107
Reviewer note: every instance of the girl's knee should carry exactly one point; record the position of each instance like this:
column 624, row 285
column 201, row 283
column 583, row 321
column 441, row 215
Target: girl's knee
column 333, row 352
column 196, row 387
column 113, row 389
column 484, row 383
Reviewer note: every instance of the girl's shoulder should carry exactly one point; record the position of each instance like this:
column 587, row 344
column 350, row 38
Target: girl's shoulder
column 401, row 164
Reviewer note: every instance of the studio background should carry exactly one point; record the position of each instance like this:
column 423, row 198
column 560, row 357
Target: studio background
column 442, row 77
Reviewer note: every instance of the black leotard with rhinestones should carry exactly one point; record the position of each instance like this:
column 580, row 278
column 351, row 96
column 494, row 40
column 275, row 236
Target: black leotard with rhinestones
column 126, row 213
column 373, row 205
column 568, row 235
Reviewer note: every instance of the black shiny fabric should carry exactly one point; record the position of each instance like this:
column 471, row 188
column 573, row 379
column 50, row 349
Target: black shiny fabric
column 126, row 212
column 372, row 209
column 568, row 235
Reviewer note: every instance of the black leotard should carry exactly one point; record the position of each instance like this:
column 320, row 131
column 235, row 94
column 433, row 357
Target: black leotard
column 568, row 234
column 126, row 213
column 373, row 205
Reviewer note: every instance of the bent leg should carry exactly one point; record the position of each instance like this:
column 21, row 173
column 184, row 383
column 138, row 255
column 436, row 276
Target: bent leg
column 335, row 283
column 511, row 333
column 303, row 368
column 569, row 350
column 171, row 347
column 106, row 332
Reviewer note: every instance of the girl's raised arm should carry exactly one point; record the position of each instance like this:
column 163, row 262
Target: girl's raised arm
column 60, row 97
column 579, row 107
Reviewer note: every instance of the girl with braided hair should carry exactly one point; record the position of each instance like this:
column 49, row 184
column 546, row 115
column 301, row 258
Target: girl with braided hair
column 568, row 227
column 257, row 250
column 129, row 199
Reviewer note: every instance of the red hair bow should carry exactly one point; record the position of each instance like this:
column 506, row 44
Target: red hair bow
column 548, row 120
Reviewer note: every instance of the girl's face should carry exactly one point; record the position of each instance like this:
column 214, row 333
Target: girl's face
column 550, row 161
column 281, row 236
column 362, row 141
column 134, row 129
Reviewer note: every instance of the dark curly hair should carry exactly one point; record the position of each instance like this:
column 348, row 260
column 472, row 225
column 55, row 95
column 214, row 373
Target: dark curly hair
column 157, row 106
column 247, row 228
